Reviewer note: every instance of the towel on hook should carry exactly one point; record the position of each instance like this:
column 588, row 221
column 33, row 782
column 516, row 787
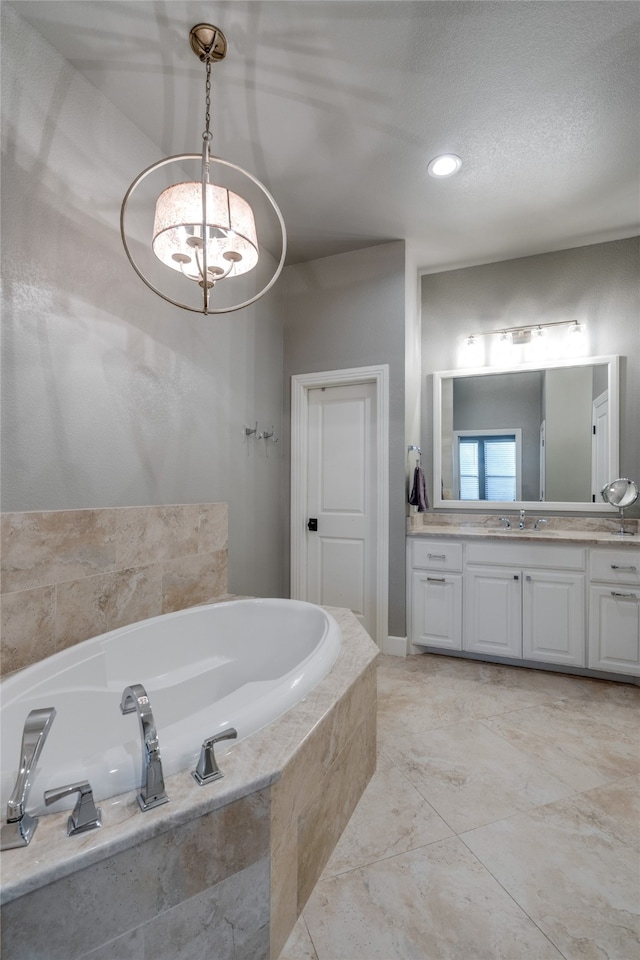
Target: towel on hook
column 418, row 495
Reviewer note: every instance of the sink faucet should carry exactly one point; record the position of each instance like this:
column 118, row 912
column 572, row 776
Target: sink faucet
column 21, row 826
column 152, row 793
column 521, row 522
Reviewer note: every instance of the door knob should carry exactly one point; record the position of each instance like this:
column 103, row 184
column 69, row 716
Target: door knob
column 312, row 524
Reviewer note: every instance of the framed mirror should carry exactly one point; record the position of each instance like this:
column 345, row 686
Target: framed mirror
column 525, row 435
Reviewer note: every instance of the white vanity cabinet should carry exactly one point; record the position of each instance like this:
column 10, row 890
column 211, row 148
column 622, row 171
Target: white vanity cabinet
column 614, row 610
column 493, row 610
column 435, row 578
column 525, row 601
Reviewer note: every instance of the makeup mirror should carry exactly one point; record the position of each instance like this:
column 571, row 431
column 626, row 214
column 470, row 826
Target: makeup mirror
column 621, row 493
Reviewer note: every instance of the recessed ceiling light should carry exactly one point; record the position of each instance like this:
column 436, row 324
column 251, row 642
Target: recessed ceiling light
column 444, row 166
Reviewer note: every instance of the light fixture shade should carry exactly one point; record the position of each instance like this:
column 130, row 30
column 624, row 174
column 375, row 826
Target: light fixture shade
column 231, row 240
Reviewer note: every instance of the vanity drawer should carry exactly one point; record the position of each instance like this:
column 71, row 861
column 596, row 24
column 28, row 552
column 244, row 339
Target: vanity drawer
column 436, row 555
column 552, row 556
column 615, row 566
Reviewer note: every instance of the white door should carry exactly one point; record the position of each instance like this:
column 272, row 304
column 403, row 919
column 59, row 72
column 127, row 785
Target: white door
column 341, row 499
column 600, row 446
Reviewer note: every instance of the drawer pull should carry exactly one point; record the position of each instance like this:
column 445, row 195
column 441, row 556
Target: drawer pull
column 631, row 568
column 436, row 556
column 436, row 580
column 624, row 596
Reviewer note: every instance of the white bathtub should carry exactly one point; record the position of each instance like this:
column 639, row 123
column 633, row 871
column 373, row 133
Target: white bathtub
column 240, row 663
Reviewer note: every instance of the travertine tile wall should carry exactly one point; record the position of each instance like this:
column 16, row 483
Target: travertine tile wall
column 312, row 802
column 200, row 889
column 67, row 575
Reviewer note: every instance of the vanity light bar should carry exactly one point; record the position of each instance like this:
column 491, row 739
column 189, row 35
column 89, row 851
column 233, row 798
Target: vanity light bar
column 519, row 335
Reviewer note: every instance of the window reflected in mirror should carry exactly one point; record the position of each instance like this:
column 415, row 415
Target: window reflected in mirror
column 545, row 434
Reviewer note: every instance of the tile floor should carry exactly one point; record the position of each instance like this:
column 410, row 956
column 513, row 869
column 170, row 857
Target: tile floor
column 503, row 822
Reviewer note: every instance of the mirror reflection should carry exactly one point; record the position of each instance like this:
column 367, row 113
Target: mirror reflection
column 527, row 435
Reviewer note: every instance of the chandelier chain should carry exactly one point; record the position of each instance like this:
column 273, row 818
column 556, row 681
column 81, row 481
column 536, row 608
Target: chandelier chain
column 207, row 117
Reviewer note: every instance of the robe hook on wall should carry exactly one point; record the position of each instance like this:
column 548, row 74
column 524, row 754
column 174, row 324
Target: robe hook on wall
column 265, row 435
column 251, row 431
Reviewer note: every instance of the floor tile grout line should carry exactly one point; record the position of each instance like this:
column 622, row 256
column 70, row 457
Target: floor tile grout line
column 512, row 896
column 390, row 856
column 306, row 926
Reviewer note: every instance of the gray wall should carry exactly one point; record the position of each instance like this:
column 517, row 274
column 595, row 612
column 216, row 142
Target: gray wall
column 596, row 284
column 112, row 397
column 348, row 311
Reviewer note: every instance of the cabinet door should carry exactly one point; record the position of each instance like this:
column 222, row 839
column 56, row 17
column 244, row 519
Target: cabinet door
column 553, row 617
column 614, row 630
column 493, row 611
column 436, row 610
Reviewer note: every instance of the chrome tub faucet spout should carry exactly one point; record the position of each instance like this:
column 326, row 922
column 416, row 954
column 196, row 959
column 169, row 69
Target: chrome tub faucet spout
column 152, row 793
column 20, row 826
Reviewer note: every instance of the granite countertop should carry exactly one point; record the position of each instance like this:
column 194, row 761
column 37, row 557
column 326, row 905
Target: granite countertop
column 250, row 765
column 558, row 530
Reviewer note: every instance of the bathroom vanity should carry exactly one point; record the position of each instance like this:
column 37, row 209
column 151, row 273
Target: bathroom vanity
column 562, row 598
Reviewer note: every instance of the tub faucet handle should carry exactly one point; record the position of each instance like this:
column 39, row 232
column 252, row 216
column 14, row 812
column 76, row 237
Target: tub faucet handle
column 85, row 816
column 207, row 769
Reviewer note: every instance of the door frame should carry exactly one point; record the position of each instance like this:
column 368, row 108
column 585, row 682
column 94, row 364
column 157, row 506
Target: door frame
column 300, row 386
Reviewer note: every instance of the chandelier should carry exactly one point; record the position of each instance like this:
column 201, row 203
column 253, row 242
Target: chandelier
column 202, row 230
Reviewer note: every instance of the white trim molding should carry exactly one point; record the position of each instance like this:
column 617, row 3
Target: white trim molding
column 396, row 646
column 300, row 386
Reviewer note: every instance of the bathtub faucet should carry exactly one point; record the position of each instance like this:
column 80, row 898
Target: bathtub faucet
column 152, row 793
column 20, row 825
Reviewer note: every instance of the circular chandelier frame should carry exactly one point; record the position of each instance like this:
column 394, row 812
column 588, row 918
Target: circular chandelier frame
column 206, row 308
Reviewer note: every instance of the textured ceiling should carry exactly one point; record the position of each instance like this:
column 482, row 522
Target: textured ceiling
column 338, row 105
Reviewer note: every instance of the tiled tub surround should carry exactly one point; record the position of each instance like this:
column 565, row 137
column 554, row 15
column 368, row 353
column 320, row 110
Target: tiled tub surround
column 222, row 870
column 68, row 575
